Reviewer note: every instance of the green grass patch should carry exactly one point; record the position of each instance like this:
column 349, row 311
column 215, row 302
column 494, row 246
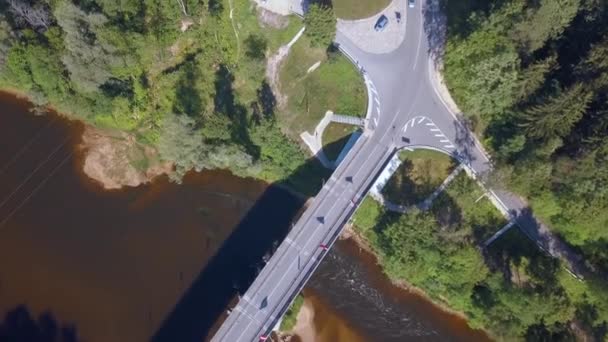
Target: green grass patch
column 464, row 210
column 419, row 174
column 290, row 318
column 335, row 85
column 251, row 70
column 358, row 9
column 335, row 136
column 367, row 216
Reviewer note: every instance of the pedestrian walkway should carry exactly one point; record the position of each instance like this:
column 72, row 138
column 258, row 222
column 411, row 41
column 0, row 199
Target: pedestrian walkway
column 347, row 119
column 314, row 141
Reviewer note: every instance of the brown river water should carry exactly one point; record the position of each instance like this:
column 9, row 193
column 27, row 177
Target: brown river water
column 162, row 261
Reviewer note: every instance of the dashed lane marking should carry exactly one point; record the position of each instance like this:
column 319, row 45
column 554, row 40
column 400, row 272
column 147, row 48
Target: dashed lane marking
column 449, row 146
column 439, row 135
column 444, row 140
column 435, row 130
column 421, row 119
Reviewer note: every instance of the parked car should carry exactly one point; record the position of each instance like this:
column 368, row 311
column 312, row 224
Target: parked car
column 411, row 3
column 381, row 23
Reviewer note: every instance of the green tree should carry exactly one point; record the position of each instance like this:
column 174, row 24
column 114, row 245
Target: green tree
column 320, row 24
column 545, row 21
column 88, row 58
column 555, row 115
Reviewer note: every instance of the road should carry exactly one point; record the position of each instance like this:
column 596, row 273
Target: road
column 406, row 110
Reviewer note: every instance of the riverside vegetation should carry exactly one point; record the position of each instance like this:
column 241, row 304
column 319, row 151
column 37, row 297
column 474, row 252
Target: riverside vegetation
column 532, row 79
column 186, row 77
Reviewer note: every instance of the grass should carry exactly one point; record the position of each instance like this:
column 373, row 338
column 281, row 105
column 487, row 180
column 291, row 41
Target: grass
column 290, row 318
column 335, row 136
column 420, row 173
column 358, row 9
column 336, row 85
column 251, row 71
column 367, row 215
column 462, row 208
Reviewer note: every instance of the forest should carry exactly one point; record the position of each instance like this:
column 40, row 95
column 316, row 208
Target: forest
column 184, row 76
column 532, row 78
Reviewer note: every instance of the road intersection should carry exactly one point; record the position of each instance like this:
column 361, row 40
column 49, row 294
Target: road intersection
column 404, row 110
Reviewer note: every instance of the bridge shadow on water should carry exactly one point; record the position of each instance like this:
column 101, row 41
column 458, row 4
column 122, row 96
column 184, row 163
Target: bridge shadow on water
column 203, row 307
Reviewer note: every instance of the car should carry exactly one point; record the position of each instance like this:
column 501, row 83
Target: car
column 411, row 3
column 381, row 23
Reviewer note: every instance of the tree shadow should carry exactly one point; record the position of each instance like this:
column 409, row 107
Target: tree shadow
column 187, row 96
column 551, row 244
column 215, row 7
column 256, row 46
column 225, row 104
column 447, row 212
column 19, row 326
column 465, row 140
column 436, row 25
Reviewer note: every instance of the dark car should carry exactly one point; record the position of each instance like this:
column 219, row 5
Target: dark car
column 381, row 23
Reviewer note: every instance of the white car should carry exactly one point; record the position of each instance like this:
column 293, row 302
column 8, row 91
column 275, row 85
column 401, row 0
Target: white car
column 411, row 3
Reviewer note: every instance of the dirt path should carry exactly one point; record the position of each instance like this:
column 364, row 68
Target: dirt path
column 273, row 67
column 236, row 33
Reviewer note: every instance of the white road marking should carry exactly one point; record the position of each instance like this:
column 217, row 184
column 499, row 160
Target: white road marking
column 421, row 119
column 405, row 128
column 378, row 110
column 430, row 124
column 377, row 101
column 435, row 130
column 449, row 146
column 444, row 140
column 440, row 135
column 376, row 122
column 413, row 122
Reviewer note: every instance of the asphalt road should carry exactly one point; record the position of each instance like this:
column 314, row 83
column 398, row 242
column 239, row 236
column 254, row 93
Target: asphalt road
column 406, row 111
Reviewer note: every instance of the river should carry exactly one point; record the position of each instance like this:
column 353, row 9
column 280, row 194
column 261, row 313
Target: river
column 161, row 261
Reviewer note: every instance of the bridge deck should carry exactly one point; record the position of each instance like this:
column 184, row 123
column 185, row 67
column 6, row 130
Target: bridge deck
column 300, row 253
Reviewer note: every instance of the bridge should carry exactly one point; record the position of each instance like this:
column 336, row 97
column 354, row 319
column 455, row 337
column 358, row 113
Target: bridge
column 405, row 110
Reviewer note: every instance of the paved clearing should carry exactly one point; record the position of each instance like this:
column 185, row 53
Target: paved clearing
column 358, row 9
column 362, row 32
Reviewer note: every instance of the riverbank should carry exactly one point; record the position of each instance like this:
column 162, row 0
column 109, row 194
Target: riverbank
column 134, row 254
column 350, row 233
column 112, row 158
